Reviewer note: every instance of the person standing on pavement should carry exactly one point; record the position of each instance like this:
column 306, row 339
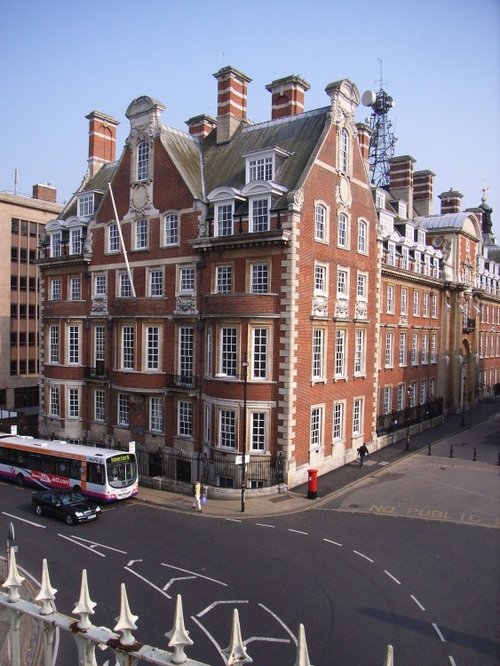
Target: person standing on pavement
column 197, row 496
column 362, row 452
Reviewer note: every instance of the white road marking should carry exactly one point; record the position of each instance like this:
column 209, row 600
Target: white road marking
column 234, row 520
column 210, row 638
column 193, row 573
column 265, row 525
column 391, row 576
column 298, row 532
column 23, row 520
column 96, row 544
column 441, row 637
column 148, row 582
column 173, row 580
column 417, row 602
column 222, row 601
column 280, row 621
column 63, row 536
column 335, row 543
column 132, row 562
column 356, row 552
column 452, row 661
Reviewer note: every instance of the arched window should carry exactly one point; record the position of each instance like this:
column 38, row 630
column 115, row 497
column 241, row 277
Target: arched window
column 320, row 221
column 362, row 237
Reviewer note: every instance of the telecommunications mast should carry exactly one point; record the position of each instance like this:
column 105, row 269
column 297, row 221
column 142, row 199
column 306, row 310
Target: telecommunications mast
column 382, row 139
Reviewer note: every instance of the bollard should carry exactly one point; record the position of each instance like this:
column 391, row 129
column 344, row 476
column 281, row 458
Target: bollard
column 451, row 451
column 474, row 455
column 429, row 451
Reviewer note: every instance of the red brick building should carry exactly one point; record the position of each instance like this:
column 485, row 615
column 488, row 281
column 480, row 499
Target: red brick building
column 225, row 290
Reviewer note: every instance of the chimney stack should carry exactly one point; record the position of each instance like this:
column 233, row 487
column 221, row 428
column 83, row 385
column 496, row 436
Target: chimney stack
column 102, row 140
column 45, row 193
column 450, row 202
column 401, row 180
column 232, row 88
column 287, row 96
column 422, row 192
column 364, row 134
column 201, row 126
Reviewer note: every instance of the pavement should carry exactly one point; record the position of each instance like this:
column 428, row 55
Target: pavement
column 330, row 485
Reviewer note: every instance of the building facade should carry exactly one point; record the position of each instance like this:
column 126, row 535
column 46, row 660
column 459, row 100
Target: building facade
column 22, row 220
column 226, row 291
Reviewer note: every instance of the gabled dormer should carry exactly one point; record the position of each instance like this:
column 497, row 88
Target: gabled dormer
column 264, row 164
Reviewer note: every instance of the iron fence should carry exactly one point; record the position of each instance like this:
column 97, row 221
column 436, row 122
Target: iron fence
column 404, row 418
column 223, row 470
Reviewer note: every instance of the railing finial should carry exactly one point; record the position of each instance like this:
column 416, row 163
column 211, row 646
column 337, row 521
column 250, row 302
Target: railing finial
column 302, row 651
column 47, row 593
column 14, row 579
column 178, row 636
column 389, row 656
column 126, row 621
column 85, row 605
column 236, row 652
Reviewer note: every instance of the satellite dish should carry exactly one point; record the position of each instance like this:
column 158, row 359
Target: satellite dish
column 368, row 98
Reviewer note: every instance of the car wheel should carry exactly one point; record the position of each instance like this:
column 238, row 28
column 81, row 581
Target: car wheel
column 69, row 520
column 20, row 480
column 38, row 510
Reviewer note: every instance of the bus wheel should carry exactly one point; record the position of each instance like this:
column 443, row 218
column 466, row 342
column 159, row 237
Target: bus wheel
column 38, row 510
column 20, row 480
column 69, row 520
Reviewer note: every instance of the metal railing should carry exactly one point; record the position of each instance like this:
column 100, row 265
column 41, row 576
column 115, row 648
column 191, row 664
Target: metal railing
column 404, row 417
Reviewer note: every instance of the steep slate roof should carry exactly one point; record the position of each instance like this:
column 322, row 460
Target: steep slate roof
column 298, row 135
column 98, row 183
column 186, row 154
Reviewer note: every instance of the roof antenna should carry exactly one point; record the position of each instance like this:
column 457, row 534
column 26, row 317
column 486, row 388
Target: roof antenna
column 16, row 180
column 383, row 139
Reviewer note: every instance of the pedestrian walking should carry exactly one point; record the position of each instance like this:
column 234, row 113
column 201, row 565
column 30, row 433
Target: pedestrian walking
column 362, row 452
column 197, row 496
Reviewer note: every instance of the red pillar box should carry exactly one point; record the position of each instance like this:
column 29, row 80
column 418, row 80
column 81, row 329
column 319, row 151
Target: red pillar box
column 312, row 484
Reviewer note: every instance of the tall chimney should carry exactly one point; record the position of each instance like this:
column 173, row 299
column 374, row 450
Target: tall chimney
column 401, row 180
column 287, row 96
column 231, row 101
column 422, row 192
column 201, row 126
column 102, row 140
column 450, row 201
column 44, row 193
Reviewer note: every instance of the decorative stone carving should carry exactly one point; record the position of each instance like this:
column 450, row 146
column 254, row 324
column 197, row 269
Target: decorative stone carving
column 361, row 310
column 185, row 305
column 342, row 309
column 320, row 306
column 344, row 195
column 99, row 306
column 296, row 199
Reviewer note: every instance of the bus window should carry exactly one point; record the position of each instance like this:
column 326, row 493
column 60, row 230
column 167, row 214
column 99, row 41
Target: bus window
column 35, row 461
column 75, row 469
column 95, row 473
column 48, row 465
column 121, row 473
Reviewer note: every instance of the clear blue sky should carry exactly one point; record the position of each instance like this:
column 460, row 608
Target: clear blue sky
column 61, row 59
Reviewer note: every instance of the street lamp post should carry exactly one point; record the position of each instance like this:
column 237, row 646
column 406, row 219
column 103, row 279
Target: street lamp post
column 244, row 366
column 409, row 420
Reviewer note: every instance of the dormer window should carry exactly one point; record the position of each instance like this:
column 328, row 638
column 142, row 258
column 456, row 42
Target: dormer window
column 143, row 160
column 56, row 244
column 380, row 199
column 224, row 219
column 264, row 164
column 75, row 241
column 259, row 217
column 260, row 168
column 86, row 205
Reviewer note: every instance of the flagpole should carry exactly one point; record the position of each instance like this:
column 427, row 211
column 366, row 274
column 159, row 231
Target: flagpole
column 122, row 243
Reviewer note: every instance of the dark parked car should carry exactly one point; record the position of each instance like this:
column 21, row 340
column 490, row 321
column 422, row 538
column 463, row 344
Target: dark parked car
column 69, row 505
